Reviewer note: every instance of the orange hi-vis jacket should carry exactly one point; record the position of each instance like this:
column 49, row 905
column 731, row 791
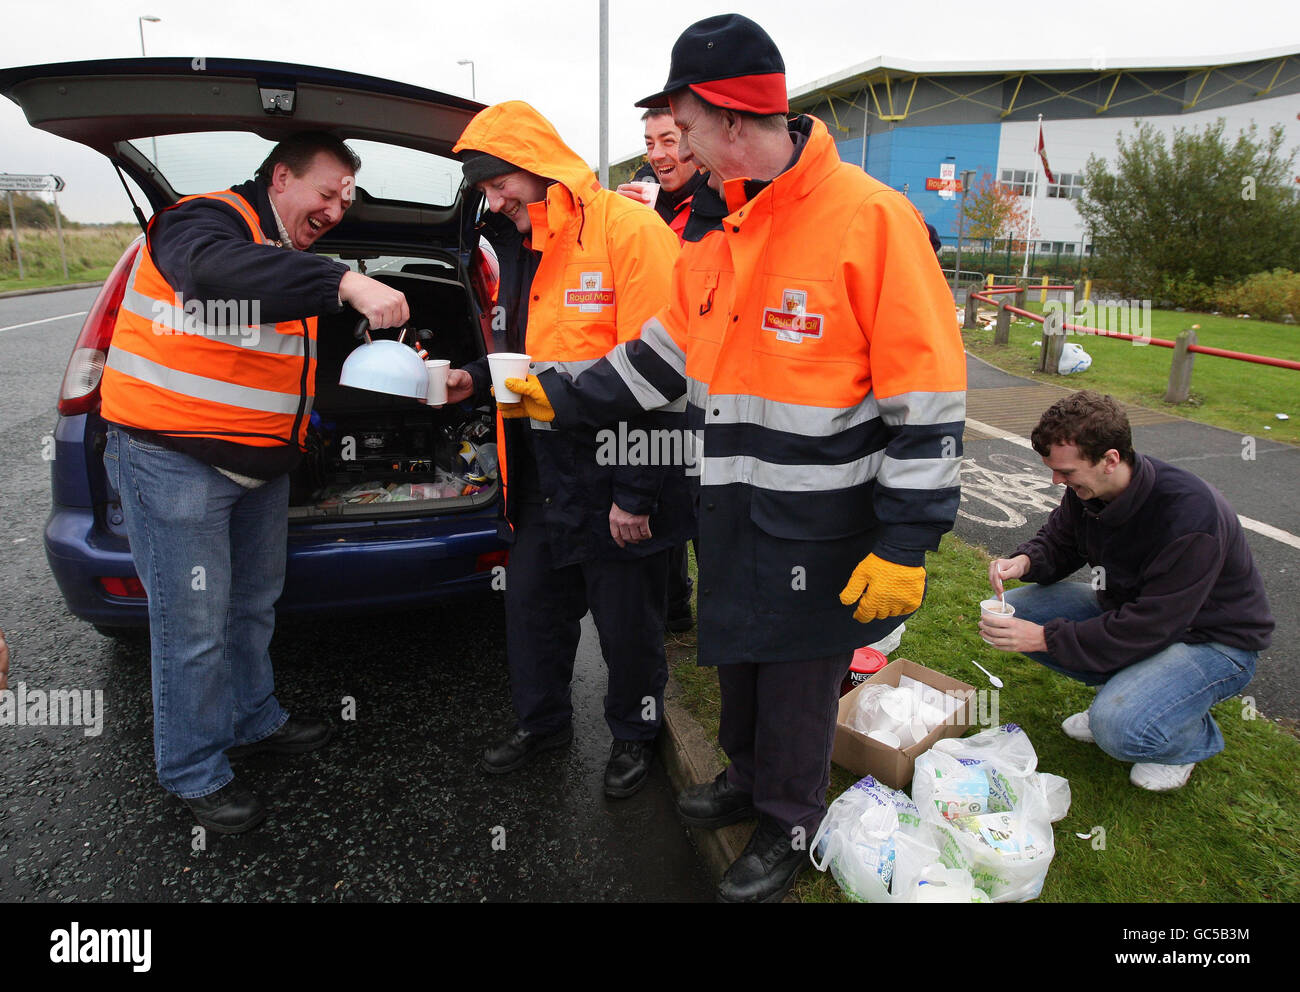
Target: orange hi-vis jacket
column 605, row 267
column 814, row 339
column 198, row 368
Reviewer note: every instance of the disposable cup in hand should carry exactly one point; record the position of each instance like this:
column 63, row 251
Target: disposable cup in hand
column 997, row 608
column 649, row 192
column 437, row 368
column 507, row 365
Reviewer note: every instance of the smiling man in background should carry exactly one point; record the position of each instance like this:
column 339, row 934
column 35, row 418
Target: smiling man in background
column 204, row 425
column 678, row 181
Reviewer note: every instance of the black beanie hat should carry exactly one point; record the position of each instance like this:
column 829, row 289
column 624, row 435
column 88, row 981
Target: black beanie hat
column 479, row 166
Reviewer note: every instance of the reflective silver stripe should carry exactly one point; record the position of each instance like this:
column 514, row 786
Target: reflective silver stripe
column 306, row 411
column 793, row 418
column 577, row 367
column 920, row 473
column 645, row 394
column 540, row 425
column 201, row 387
column 788, row 478
column 235, row 201
column 658, row 340
column 923, row 408
column 676, row 406
column 697, row 393
column 167, row 318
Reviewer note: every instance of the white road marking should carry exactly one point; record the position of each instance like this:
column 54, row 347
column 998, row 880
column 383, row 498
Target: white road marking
column 1258, row 526
column 45, row 320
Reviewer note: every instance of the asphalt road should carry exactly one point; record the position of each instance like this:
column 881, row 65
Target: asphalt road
column 394, row 809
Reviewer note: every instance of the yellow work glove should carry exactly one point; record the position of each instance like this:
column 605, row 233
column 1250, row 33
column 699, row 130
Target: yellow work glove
column 534, row 403
column 885, row 589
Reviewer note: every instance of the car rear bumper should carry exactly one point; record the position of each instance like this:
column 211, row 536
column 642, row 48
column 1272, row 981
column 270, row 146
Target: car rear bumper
column 336, row 569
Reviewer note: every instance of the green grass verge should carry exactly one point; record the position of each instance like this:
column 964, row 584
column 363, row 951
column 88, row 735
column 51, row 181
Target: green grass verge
column 91, row 253
column 98, row 274
column 1239, row 396
column 1227, row 836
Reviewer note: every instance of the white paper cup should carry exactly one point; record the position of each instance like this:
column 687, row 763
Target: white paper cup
column 507, row 365
column 885, row 737
column 437, row 369
column 649, row 191
column 996, row 608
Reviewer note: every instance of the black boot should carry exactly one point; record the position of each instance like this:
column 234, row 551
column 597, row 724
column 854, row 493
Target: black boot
column 628, row 766
column 714, row 804
column 520, row 748
column 766, row 868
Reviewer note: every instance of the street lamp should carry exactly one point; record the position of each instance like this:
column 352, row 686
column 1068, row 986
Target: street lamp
column 473, row 88
column 152, row 20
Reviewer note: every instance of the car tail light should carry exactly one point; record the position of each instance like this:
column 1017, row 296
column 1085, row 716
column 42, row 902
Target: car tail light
column 80, row 390
column 489, row 561
column 126, row 588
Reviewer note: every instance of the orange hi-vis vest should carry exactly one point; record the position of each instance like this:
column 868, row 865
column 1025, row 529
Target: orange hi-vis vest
column 208, row 368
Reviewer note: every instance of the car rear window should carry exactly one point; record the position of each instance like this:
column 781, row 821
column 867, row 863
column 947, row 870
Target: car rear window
column 208, row 160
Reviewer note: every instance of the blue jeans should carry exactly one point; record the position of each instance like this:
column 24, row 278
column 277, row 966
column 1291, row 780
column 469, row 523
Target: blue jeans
column 210, row 554
column 1158, row 709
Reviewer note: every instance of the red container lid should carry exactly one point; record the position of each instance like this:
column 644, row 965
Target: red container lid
column 867, row 661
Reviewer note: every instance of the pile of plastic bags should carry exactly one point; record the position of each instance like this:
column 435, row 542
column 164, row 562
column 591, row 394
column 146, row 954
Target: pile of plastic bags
column 978, row 828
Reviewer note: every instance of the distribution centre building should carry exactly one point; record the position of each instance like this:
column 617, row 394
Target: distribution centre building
column 905, row 121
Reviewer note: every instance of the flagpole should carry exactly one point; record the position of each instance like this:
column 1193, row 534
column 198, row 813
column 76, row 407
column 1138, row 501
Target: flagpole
column 1024, row 272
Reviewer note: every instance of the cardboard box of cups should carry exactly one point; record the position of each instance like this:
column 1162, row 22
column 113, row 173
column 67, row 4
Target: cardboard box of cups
column 891, row 751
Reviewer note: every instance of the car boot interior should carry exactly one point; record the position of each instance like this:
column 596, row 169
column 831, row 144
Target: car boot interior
column 373, row 454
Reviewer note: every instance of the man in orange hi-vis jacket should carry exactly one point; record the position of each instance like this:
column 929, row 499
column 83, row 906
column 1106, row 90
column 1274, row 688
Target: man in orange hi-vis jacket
column 813, row 337
column 582, row 269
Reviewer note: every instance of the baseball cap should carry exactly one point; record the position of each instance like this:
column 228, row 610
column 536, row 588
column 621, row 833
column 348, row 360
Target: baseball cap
column 727, row 61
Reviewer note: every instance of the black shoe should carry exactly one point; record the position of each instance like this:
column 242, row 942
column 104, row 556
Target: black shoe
column 766, row 868
column 714, row 804
column 679, row 619
column 520, row 748
column 232, row 809
column 627, row 768
column 297, row 735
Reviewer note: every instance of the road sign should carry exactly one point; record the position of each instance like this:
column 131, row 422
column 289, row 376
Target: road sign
column 937, row 183
column 31, row 184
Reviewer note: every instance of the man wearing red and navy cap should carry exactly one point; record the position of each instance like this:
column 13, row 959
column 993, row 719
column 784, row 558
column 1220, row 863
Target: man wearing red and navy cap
column 813, row 339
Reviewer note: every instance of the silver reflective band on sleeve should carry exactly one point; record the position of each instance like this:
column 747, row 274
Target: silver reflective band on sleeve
column 540, row 425
column 645, row 394
column 793, row 418
column 788, row 478
column 920, row 473
column 676, row 406
column 201, row 387
column 657, row 338
column 575, row 368
column 923, row 408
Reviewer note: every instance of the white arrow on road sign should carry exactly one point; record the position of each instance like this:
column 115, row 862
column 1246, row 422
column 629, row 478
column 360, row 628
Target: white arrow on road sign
column 31, row 184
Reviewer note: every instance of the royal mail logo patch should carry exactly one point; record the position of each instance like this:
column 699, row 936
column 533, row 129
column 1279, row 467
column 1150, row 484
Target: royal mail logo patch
column 591, row 294
column 792, row 322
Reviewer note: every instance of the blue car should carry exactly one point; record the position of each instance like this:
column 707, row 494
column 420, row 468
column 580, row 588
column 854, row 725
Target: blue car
column 395, row 503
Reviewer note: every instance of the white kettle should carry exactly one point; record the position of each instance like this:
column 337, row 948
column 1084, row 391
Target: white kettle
column 385, row 366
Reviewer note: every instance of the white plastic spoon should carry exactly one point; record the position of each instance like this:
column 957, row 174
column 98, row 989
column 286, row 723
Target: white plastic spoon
column 997, row 682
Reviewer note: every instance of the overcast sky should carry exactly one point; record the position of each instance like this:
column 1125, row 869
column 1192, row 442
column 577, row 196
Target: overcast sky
column 546, row 52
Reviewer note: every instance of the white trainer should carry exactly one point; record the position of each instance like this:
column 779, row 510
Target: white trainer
column 1076, row 727
column 1160, row 778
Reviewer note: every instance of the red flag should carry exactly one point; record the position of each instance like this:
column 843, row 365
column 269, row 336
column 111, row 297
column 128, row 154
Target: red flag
column 1042, row 153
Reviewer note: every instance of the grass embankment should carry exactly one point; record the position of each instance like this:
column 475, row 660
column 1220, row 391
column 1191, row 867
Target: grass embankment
column 92, row 252
column 1227, row 836
column 1236, row 395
